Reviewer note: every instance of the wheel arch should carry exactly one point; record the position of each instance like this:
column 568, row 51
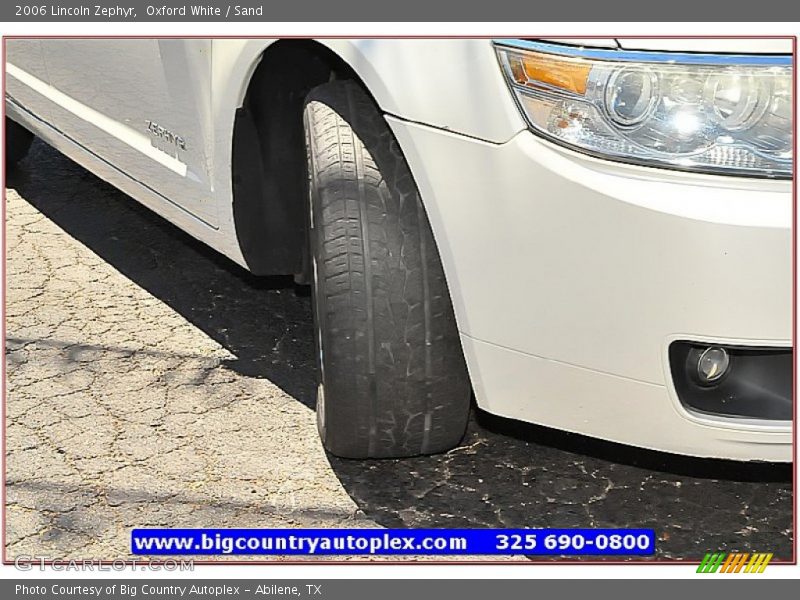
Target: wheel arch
column 268, row 151
column 405, row 81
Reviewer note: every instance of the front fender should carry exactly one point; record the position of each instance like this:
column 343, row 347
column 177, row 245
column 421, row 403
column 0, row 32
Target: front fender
column 453, row 84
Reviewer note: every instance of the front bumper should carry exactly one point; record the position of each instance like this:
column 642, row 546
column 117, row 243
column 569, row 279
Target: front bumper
column 571, row 276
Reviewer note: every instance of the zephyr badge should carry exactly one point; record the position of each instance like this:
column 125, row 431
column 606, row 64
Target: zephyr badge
column 167, row 137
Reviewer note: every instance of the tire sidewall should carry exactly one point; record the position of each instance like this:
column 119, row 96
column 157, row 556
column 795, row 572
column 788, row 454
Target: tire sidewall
column 317, row 298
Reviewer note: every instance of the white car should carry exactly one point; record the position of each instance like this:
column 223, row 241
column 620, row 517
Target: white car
column 592, row 235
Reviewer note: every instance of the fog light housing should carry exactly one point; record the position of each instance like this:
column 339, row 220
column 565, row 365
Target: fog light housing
column 733, row 381
column 710, row 364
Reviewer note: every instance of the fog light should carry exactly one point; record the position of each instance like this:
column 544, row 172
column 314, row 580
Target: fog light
column 733, row 381
column 712, row 365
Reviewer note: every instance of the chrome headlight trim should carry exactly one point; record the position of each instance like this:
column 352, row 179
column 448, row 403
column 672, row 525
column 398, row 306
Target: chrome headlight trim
column 728, row 131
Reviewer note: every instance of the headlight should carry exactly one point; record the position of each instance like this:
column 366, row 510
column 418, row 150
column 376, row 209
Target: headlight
column 715, row 113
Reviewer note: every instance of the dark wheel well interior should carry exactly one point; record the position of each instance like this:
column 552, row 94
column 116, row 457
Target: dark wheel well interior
column 269, row 156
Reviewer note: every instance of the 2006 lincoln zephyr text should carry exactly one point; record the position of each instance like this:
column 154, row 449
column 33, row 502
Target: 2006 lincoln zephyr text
column 593, row 235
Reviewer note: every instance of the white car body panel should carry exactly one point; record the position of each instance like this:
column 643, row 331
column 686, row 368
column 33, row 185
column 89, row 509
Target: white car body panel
column 567, row 282
column 128, row 82
column 391, row 71
column 584, row 288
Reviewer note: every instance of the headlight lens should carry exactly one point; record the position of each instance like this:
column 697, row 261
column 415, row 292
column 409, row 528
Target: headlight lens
column 719, row 114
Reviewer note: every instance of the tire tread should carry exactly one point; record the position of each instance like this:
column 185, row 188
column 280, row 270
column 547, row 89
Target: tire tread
column 395, row 379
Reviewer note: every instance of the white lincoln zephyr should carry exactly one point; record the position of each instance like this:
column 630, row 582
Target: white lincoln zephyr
column 589, row 234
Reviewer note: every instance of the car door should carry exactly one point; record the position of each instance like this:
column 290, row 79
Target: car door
column 143, row 105
column 26, row 76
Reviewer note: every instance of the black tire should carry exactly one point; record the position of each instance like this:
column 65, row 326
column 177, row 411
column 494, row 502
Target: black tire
column 18, row 142
column 393, row 381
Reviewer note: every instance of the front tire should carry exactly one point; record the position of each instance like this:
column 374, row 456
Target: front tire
column 393, row 381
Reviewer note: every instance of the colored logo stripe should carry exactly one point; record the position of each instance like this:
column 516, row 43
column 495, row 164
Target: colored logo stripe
column 737, row 563
column 734, row 562
column 711, row 562
column 758, row 563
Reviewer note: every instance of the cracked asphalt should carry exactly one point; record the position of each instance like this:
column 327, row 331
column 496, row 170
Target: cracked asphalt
column 151, row 382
